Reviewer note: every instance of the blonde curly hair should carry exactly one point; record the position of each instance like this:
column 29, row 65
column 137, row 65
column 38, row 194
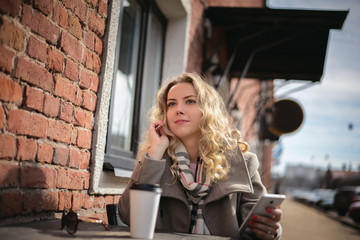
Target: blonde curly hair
column 217, row 135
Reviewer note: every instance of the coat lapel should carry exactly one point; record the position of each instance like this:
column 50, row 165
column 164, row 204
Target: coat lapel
column 238, row 180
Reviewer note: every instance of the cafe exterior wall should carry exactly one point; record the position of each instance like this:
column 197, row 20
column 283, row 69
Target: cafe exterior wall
column 50, row 63
column 50, row 74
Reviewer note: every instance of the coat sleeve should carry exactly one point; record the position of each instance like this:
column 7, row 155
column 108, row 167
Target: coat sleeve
column 146, row 171
column 248, row 200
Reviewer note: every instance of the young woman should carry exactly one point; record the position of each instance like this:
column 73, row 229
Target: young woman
column 209, row 180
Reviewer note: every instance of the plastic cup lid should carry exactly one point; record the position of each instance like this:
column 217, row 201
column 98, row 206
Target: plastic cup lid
column 146, row 187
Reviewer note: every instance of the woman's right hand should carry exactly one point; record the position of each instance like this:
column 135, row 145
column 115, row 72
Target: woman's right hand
column 159, row 141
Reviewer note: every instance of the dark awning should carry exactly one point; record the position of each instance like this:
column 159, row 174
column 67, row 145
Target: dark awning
column 276, row 43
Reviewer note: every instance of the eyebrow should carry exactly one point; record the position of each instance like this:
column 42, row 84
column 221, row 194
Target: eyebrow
column 173, row 99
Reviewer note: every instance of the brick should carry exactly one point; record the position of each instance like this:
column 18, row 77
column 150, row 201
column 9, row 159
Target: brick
column 10, row 6
column 93, row 3
column 71, row 46
column 94, row 83
column 77, row 201
column 37, row 49
column 78, row 7
column 67, row 90
column 37, row 177
column 61, row 156
column 32, row 202
column 45, row 6
column 96, row 24
column 69, row 179
column 89, row 100
column 89, row 39
column 75, row 158
column 86, row 180
column 98, row 202
column 56, row 60
column 33, row 73
column 88, row 201
column 66, row 111
column 85, row 78
column 26, row 123
column 102, row 10
column 59, row 131
column 60, row 15
column 116, row 199
column 88, row 60
column 11, row 91
column 85, row 159
column 71, row 70
column 2, row 117
column 73, row 136
column 74, row 27
column 91, row 61
column 51, row 105
column 45, row 153
column 109, row 200
column 40, row 24
column 11, row 35
column 64, row 201
column 50, row 200
column 26, row 149
column 9, row 174
column 84, row 138
column 10, row 203
column 6, row 60
column 99, row 45
column 89, row 120
column 34, row 98
column 7, row 143
column 96, row 63
column 79, row 117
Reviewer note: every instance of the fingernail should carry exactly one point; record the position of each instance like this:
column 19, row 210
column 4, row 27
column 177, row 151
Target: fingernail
column 269, row 210
column 254, row 217
column 251, row 222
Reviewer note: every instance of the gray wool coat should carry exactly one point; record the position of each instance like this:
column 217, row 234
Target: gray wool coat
column 227, row 203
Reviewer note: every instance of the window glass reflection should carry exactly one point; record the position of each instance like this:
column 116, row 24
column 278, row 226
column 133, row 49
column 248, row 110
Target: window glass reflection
column 125, row 83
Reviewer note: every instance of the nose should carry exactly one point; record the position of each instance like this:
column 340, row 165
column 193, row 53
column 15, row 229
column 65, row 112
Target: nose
column 179, row 109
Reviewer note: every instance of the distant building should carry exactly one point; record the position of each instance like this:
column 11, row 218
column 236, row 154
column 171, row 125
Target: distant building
column 299, row 176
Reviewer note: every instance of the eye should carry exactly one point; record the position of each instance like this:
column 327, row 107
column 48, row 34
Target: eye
column 171, row 104
column 191, row 101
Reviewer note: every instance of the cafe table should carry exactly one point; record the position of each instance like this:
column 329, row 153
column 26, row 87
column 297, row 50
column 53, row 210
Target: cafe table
column 50, row 229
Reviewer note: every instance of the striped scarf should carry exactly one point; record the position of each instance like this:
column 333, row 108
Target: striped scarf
column 196, row 189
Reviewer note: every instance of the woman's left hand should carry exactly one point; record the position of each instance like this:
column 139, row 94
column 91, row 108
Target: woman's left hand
column 266, row 227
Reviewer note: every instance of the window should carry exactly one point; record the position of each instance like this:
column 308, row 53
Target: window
column 136, row 56
column 135, row 81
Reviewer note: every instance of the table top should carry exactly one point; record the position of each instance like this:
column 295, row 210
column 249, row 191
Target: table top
column 50, row 229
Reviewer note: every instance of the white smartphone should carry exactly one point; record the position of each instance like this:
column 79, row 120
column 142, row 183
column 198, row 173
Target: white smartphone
column 266, row 201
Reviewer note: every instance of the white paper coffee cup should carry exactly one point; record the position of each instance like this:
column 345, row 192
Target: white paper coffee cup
column 144, row 205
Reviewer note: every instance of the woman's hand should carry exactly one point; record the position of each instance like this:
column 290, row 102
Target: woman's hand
column 159, row 141
column 266, row 227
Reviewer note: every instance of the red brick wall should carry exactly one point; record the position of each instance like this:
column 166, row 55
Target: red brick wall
column 49, row 77
column 196, row 39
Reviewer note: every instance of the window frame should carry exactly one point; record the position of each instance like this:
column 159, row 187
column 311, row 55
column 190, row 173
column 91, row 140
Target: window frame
column 121, row 158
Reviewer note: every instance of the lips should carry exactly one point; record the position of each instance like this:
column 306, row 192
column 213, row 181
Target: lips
column 181, row 121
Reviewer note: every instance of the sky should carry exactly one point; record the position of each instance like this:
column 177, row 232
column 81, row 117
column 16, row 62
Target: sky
column 332, row 105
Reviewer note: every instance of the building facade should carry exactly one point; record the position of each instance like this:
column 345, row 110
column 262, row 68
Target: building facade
column 77, row 78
